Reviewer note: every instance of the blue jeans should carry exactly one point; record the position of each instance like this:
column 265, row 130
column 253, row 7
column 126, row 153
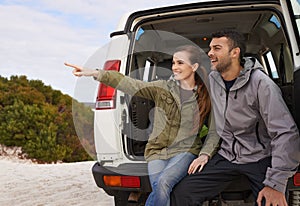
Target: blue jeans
column 164, row 174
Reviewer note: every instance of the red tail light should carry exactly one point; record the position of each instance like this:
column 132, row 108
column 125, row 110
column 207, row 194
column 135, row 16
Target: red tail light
column 122, row 181
column 106, row 98
column 297, row 179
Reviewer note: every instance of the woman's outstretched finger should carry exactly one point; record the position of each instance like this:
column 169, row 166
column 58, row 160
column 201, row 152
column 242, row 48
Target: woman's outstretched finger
column 73, row 66
column 77, row 70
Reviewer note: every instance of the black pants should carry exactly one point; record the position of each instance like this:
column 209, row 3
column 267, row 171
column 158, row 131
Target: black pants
column 218, row 173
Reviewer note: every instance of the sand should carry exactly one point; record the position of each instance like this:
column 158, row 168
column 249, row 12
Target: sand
column 25, row 183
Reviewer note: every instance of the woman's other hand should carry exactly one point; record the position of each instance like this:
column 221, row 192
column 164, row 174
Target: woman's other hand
column 198, row 164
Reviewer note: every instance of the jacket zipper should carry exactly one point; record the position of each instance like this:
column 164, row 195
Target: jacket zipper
column 233, row 144
column 226, row 104
column 257, row 136
column 234, row 139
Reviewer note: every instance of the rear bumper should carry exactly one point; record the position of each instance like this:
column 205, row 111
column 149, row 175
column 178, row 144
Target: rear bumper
column 131, row 169
column 238, row 190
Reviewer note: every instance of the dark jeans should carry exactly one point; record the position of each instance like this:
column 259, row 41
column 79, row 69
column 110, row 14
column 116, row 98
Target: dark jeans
column 218, row 173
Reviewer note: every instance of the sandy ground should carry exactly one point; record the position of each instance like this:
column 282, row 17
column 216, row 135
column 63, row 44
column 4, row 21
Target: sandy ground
column 25, row 183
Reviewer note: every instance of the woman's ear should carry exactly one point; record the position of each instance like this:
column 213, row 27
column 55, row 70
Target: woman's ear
column 195, row 67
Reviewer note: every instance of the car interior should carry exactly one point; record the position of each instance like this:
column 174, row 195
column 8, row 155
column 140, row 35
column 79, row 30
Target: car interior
column 156, row 38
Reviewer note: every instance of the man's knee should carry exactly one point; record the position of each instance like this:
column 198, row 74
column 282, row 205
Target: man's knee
column 180, row 198
column 183, row 195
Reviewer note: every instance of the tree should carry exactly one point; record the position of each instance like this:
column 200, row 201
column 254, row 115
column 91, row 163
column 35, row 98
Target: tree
column 39, row 119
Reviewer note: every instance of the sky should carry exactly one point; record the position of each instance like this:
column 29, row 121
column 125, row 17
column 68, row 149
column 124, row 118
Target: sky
column 38, row 36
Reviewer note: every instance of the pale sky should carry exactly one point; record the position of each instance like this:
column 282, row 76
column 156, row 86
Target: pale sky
column 38, row 36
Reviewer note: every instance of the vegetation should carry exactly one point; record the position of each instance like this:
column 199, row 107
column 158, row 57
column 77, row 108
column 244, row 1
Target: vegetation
column 39, row 119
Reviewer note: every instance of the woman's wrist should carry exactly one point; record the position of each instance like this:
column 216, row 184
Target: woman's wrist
column 204, row 154
column 96, row 74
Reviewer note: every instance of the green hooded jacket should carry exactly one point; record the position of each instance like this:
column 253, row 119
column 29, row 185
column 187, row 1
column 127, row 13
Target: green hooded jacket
column 175, row 125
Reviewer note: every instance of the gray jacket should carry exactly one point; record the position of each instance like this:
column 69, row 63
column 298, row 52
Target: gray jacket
column 254, row 122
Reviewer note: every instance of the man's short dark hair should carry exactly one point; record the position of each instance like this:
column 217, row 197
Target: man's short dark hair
column 236, row 39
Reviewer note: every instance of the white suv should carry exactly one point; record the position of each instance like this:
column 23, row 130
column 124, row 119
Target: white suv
column 141, row 48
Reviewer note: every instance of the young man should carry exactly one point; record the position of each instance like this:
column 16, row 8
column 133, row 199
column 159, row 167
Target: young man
column 259, row 136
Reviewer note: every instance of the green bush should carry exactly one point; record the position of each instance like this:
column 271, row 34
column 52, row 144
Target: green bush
column 39, row 119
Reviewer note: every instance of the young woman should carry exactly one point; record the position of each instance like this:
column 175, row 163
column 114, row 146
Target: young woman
column 182, row 105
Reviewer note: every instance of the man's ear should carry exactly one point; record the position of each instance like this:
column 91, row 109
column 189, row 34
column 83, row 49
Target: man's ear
column 236, row 52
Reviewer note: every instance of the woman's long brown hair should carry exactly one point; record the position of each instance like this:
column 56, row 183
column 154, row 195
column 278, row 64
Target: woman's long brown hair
column 203, row 98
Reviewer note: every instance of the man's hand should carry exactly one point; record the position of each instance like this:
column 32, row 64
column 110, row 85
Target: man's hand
column 272, row 197
column 198, row 162
column 80, row 71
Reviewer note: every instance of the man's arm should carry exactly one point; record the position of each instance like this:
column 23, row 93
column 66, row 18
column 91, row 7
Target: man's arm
column 285, row 141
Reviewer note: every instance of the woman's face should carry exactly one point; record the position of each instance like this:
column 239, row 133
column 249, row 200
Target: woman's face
column 182, row 67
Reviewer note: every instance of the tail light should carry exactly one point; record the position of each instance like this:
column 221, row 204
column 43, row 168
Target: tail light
column 122, row 181
column 106, row 97
column 297, row 179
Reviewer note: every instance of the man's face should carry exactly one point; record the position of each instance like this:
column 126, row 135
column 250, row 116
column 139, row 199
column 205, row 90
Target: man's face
column 220, row 54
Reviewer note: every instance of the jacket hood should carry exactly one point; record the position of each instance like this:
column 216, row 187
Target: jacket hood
column 250, row 65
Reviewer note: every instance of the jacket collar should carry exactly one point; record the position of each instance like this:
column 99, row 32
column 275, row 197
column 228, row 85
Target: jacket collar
column 174, row 86
column 250, row 65
column 178, row 83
